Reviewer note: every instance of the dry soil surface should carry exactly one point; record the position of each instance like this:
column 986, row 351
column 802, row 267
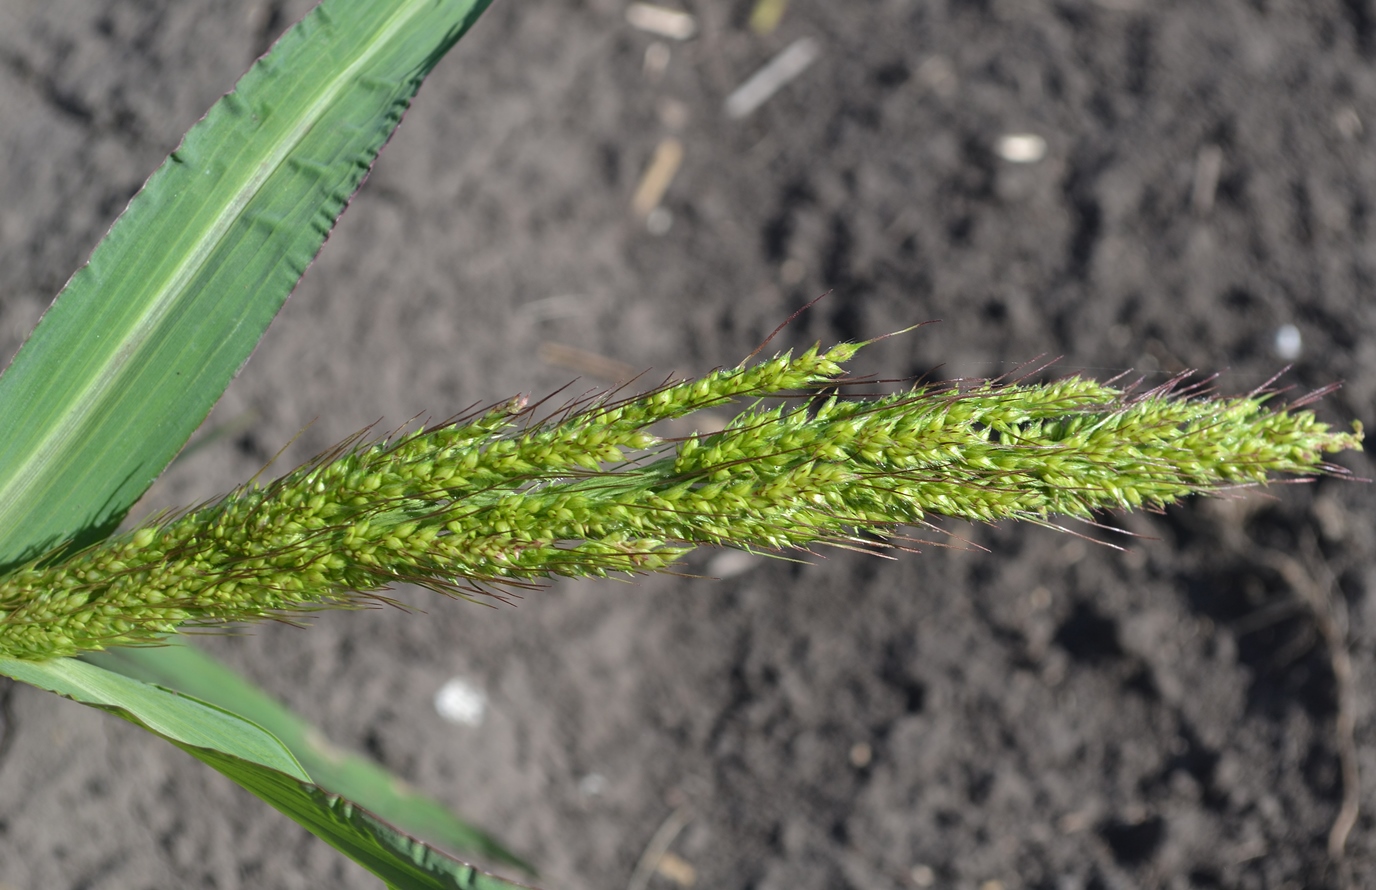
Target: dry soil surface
column 1199, row 192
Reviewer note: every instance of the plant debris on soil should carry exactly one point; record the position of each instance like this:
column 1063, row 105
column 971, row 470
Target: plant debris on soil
column 587, row 191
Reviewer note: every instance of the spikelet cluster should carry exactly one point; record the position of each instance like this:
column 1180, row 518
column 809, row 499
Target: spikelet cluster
column 503, row 500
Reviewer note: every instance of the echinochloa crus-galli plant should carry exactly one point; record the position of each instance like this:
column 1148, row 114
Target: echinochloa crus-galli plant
column 503, row 499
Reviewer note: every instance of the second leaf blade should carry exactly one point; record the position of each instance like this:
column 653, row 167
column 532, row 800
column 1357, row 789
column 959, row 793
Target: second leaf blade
column 190, row 670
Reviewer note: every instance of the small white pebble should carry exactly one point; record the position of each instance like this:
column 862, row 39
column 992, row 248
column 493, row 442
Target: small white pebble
column 922, row 875
column 657, row 57
column 659, row 221
column 730, row 563
column 673, row 113
column 1071, row 823
column 1021, row 148
column 939, row 75
column 1288, row 343
column 662, row 22
column 592, row 784
column 1348, row 122
column 460, row 702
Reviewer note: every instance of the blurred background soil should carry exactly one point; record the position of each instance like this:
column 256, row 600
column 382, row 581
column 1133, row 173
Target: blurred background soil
column 1131, row 186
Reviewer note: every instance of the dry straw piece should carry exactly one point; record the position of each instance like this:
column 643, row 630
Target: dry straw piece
column 503, row 499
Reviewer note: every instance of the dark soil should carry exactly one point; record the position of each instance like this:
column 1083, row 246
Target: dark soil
column 1047, row 714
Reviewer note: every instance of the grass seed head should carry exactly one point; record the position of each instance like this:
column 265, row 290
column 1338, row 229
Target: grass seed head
column 505, row 499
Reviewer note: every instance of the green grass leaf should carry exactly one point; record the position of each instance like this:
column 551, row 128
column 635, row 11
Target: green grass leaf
column 187, row 669
column 399, row 860
column 253, row 758
column 144, row 339
column 180, row 719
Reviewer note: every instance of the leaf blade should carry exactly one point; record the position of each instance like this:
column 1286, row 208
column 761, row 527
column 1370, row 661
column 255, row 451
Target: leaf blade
column 180, row 719
column 144, row 338
column 261, row 764
column 399, row 860
column 188, row 669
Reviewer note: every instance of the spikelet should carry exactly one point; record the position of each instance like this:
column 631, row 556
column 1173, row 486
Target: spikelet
column 502, row 500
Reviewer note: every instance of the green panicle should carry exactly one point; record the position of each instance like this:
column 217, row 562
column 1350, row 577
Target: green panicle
column 503, row 499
